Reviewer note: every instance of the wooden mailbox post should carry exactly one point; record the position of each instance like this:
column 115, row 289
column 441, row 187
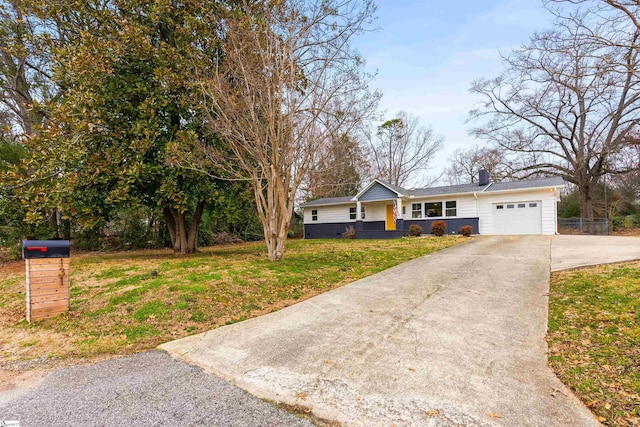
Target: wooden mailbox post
column 47, row 264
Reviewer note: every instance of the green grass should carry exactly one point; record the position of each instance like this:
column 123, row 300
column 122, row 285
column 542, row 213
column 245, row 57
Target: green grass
column 594, row 338
column 118, row 307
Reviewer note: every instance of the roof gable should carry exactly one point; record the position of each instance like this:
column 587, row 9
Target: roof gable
column 378, row 191
column 383, row 187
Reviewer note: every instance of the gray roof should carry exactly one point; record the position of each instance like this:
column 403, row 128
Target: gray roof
column 555, row 181
column 399, row 190
column 328, row 201
column 447, row 189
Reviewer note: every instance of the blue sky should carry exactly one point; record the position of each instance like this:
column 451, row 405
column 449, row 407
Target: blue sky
column 427, row 53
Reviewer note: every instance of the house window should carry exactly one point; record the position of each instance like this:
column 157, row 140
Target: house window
column 314, row 215
column 510, row 206
column 352, row 213
column 500, row 207
column 451, row 208
column 522, row 205
column 533, row 205
column 432, row 209
column 416, row 210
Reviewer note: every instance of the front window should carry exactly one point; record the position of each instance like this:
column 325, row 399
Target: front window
column 433, row 209
column 416, row 210
column 451, row 208
column 314, row 215
column 352, row 212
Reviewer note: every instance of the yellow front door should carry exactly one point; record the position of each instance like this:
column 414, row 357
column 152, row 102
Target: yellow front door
column 390, row 223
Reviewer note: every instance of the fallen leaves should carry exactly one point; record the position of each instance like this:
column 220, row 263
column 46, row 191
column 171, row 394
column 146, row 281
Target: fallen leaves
column 301, row 396
column 555, row 392
column 433, row 412
column 593, row 335
column 494, row 415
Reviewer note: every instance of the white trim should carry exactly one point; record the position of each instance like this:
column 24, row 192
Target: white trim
column 305, row 206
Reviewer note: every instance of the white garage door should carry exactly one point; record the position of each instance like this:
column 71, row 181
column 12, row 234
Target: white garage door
column 517, row 218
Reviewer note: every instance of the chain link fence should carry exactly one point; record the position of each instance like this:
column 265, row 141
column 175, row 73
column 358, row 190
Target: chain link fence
column 597, row 226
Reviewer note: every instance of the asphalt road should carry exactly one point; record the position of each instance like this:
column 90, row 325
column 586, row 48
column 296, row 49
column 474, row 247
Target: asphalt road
column 147, row 389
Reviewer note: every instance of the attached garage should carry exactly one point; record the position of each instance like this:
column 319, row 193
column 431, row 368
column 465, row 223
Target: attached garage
column 517, row 217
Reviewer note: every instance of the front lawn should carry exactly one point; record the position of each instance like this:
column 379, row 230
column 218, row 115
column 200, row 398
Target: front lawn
column 594, row 338
column 119, row 307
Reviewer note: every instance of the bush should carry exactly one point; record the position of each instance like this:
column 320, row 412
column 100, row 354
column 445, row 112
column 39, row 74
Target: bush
column 349, row 233
column 618, row 223
column 632, row 221
column 625, row 222
column 466, row 230
column 415, row 230
column 224, row 238
column 438, row 228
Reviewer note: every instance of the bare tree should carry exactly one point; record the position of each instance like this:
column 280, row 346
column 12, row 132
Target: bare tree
column 402, row 148
column 339, row 172
column 287, row 72
column 566, row 103
column 464, row 165
column 626, row 9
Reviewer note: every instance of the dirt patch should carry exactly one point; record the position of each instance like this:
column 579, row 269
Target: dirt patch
column 631, row 232
column 11, row 268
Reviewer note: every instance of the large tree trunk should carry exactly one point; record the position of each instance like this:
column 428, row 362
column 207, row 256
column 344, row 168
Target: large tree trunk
column 192, row 240
column 184, row 238
column 274, row 210
column 171, row 225
column 53, row 221
column 586, row 201
column 276, row 240
column 181, row 231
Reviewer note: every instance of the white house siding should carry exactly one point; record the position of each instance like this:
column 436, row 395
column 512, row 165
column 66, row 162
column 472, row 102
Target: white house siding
column 547, row 197
column 328, row 214
column 375, row 211
column 465, row 205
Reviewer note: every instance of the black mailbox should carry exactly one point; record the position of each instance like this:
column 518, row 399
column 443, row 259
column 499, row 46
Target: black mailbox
column 45, row 249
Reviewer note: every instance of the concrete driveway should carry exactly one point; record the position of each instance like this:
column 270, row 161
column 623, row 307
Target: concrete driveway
column 455, row 338
column 580, row 251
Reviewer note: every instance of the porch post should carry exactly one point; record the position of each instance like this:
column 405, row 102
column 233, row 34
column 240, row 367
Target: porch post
column 359, row 226
column 399, row 220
